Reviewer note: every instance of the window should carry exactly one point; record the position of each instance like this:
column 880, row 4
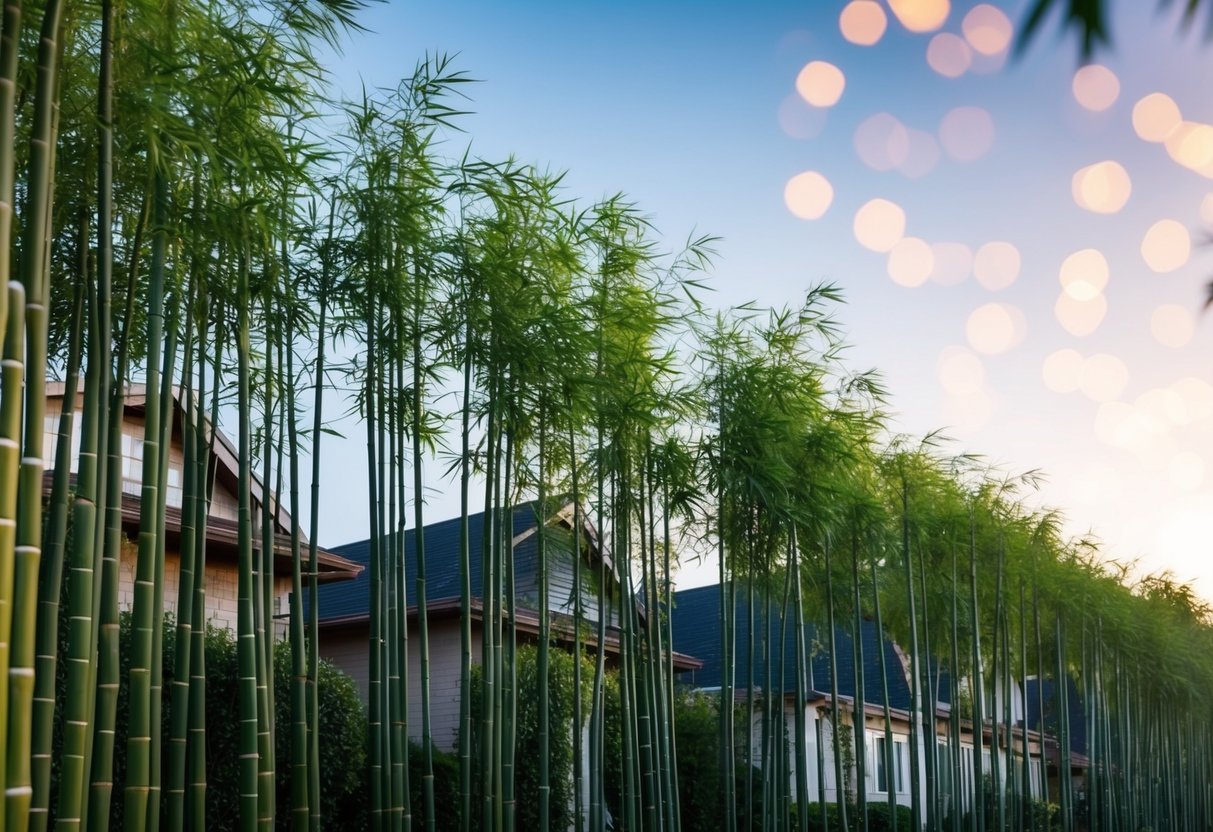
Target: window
column 132, row 471
column 880, row 766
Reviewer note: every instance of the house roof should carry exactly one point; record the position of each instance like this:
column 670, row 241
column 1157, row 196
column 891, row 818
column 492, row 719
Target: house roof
column 1037, row 689
column 696, row 625
column 348, row 603
column 221, row 533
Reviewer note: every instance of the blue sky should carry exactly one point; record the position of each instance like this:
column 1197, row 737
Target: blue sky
column 677, row 105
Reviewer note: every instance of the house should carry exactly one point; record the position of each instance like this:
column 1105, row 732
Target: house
column 345, row 607
column 695, row 619
column 221, row 558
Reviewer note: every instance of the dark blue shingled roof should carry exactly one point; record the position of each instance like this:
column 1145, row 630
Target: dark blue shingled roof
column 1078, row 723
column 347, row 599
column 696, row 625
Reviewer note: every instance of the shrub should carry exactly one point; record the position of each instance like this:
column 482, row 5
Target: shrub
column 560, row 739
column 878, row 817
column 342, row 731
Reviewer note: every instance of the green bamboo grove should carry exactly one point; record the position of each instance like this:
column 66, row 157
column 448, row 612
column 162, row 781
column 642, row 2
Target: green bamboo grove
column 195, row 228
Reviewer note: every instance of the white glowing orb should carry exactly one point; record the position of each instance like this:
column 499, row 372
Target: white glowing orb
column 987, row 29
column 879, row 224
column 921, row 15
column 1062, row 370
column 966, row 133
column 863, row 22
column 1102, row 188
column 1155, row 117
column 1096, row 87
column 1080, row 317
column 808, row 195
column 1084, row 274
column 1171, row 325
column 821, row 83
column 910, row 262
column 1166, row 246
column 996, row 265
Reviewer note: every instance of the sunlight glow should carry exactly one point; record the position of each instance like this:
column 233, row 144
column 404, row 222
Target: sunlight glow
column 1103, row 378
column 863, row 22
column 879, row 225
column 953, row 263
column 995, row 328
column 1062, row 370
column 1103, row 187
column 1095, row 87
column 949, row 55
column 996, row 265
column 910, row 262
column 1155, row 117
column 808, row 195
column 987, row 29
column 1171, row 325
column 960, row 371
column 966, row 133
column 1084, row 274
column 1166, row 246
column 921, row 15
column 1080, row 317
column 1186, row 470
column 882, row 142
column 821, row 83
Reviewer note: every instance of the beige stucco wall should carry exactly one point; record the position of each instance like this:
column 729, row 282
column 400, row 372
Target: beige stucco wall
column 349, row 650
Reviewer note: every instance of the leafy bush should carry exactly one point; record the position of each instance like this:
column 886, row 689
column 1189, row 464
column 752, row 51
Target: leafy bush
column 342, row 731
column 878, row 817
column 560, row 736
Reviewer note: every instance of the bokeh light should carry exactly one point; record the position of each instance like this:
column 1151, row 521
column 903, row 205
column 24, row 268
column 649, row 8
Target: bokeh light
column 921, row 15
column 960, row 371
column 910, row 262
column 966, row 133
column 1196, row 395
column 1062, row 370
column 882, row 142
column 1191, row 144
column 987, row 29
column 953, row 263
column 1080, row 317
column 798, row 120
column 1155, row 117
column 996, row 265
column 1095, row 87
column 995, row 328
column 821, row 83
column 1171, row 325
column 922, row 154
column 1166, row 246
column 1103, row 187
column 879, row 224
column 949, row 55
column 863, row 22
column 1206, row 210
column 1084, row 274
column 808, row 195
column 1104, row 377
